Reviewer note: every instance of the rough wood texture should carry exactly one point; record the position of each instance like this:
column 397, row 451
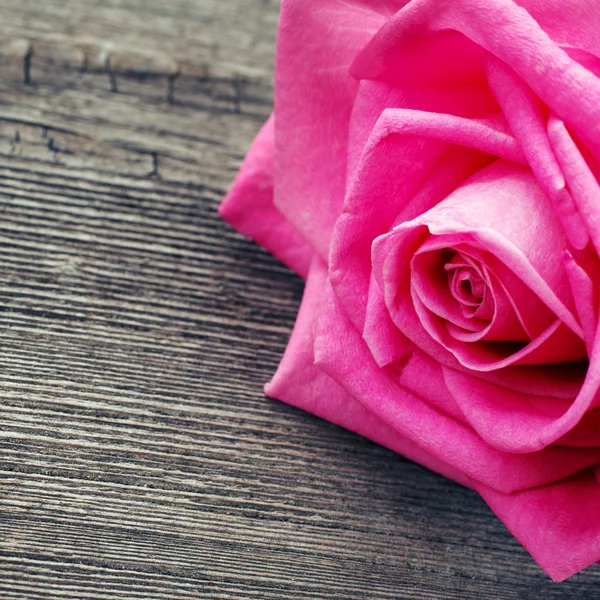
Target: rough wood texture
column 139, row 457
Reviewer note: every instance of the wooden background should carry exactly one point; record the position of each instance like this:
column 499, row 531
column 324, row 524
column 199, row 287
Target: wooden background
column 139, row 458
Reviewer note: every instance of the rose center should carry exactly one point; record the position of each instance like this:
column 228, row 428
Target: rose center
column 468, row 287
column 461, row 299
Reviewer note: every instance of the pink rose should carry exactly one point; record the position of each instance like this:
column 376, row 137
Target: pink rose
column 432, row 170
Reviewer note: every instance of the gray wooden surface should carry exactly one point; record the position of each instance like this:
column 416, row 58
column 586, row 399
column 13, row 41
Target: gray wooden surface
column 138, row 455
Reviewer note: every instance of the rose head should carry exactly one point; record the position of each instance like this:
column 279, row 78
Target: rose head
column 432, row 171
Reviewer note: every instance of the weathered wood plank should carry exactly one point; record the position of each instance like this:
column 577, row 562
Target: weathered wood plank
column 138, row 456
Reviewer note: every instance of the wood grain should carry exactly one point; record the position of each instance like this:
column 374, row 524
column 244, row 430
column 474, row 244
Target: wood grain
column 138, row 455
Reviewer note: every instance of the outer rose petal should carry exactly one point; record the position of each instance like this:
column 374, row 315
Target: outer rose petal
column 578, row 26
column 584, row 186
column 505, row 30
column 386, row 342
column 374, row 97
column 249, row 207
column 314, row 94
column 584, row 294
column 561, row 536
column 527, row 122
column 509, row 421
column 515, row 422
column 558, row 523
column 339, row 349
column 300, row 383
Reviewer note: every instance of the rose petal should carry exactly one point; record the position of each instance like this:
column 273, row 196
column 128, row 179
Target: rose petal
column 339, row 349
column 470, row 133
column 582, row 183
column 584, row 293
column 300, row 383
column 386, row 342
column 584, row 58
column 496, row 226
column 424, row 377
column 398, row 173
column 442, row 58
column 577, row 26
column 314, row 94
column 504, row 28
column 516, row 422
column 524, row 115
column 585, row 434
column 554, row 345
column 430, row 284
column 555, row 381
column 374, row 98
column 544, row 519
column 558, row 523
column 526, row 312
column 249, row 206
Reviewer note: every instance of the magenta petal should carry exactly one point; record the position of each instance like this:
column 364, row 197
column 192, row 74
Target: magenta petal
column 576, row 27
column 339, row 349
column 461, row 321
column 249, row 207
column 527, row 315
column 399, row 176
column 554, row 345
column 505, row 29
column 558, row 523
column 562, row 381
column 495, row 227
column 444, row 57
column 470, row 133
column 298, row 381
column 585, row 434
column 524, row 115
column 584, row 293
column 386, row 342
column 314, row 95
column 514, row 422
column 374, row 98
column 424, row 378
column 582, row 183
